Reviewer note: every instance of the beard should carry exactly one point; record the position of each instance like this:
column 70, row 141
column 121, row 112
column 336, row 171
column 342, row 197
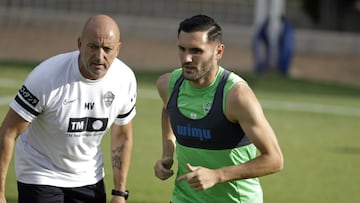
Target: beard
column 195, row 72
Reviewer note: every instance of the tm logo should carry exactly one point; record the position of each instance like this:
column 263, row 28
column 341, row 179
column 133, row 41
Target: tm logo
column 87, row 124
column 188, row 131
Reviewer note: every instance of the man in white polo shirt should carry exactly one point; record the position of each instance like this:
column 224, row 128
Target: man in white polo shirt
column 60, row 115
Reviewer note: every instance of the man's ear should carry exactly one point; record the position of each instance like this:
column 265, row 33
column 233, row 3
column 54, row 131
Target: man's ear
column 119, row 48
column 220, row 51
column 79, row 42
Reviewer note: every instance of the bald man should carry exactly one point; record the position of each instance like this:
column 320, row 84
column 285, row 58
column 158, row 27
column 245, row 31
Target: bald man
column 61, row 113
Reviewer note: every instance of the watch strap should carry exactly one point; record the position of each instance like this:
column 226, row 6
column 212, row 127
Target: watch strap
column 120, row 193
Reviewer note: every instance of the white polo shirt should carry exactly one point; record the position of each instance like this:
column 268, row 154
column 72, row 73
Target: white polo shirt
column 69, row 115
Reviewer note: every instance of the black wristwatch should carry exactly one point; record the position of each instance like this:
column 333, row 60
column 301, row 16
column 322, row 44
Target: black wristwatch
column 121, row 193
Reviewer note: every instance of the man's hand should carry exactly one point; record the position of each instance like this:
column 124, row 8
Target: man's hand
column 162, row 168
column 200, row 178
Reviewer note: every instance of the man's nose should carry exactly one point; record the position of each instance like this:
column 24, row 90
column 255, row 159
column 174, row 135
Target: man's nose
column 100, row 53
column 188, row 57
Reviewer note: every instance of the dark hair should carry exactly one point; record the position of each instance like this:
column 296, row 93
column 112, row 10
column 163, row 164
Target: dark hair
column 202, row 23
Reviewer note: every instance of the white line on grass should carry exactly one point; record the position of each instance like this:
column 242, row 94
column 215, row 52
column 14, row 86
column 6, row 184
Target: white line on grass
column 4, row 82
column 267, row 104
column 5, row 100
column 310, row 107
column 285, row 105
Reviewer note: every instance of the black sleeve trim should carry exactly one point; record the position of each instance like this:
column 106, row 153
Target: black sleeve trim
column 25, row 106
column 124, row 115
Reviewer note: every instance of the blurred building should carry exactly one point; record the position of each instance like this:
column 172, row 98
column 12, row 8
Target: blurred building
column 327, row 32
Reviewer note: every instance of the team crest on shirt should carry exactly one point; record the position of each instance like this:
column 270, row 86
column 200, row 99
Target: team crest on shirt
column 108, row 98
column 207, row 107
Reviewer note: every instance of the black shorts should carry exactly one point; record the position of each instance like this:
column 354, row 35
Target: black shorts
column 51, row 194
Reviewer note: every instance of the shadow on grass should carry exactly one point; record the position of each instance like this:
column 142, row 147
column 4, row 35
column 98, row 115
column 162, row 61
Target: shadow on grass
column 348, row 150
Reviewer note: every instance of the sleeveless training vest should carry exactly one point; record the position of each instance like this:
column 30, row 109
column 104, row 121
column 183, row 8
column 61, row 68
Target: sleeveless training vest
column 214, row 131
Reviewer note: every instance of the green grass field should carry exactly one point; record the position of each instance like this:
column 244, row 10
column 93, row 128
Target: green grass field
column 318, row 127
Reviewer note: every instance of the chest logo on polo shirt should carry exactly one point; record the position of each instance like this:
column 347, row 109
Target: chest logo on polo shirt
column 87, row 124
column 108, row 98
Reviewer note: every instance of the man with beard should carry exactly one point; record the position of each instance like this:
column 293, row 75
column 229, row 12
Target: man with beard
column 214, row 123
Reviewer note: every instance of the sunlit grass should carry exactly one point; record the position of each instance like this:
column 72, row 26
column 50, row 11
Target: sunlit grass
column 321, row 149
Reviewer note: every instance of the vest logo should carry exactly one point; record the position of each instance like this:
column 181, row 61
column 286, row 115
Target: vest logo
column 207, row 107
column 87, row 124
column 188, row 131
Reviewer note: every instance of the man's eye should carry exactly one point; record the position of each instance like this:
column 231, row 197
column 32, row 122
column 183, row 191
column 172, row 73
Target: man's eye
column 107, row 49
column 196, row 51
column 91, row 46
